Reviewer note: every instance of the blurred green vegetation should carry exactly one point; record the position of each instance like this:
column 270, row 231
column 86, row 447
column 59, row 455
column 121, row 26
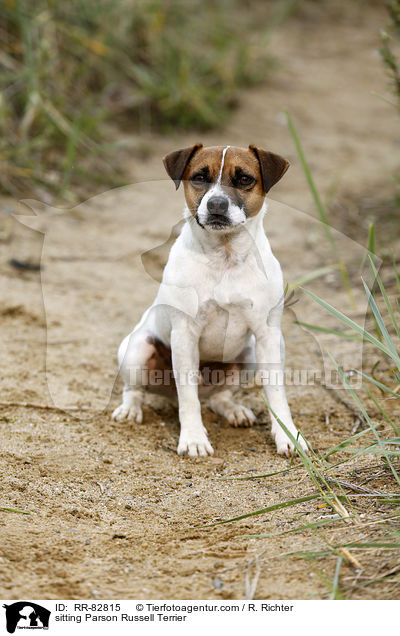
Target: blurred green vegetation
column 67, row 69
column 390, row 49
column 390, row 52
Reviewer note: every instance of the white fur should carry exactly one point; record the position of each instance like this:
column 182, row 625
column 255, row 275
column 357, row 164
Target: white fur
column 235, row 214
column 222, row 164
column 213, row 303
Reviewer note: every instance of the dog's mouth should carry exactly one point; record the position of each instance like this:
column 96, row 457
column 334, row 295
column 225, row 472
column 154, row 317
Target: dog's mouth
column 218, row 222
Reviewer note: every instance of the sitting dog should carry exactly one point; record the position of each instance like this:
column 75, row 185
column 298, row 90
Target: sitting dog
column 220, row 301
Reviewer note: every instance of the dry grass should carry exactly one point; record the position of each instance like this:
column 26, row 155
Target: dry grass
column 67, row 68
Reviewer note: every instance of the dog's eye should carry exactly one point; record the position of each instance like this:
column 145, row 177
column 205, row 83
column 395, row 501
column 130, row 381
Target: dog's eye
column 245, row 179
column 198, row 178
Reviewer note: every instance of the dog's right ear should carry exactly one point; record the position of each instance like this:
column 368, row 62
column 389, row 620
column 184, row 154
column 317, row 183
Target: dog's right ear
column 175, row 162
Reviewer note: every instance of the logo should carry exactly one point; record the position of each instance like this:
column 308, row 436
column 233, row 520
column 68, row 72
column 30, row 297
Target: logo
column 26, row 615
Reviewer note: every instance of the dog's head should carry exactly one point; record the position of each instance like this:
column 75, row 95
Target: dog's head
column 224, row 186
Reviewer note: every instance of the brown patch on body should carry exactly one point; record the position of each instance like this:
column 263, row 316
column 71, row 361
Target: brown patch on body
column 213, row 374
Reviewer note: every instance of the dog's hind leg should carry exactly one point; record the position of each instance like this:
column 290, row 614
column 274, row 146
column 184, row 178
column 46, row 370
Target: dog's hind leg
column 131, row 407
column 133, row 356
column 221, row 402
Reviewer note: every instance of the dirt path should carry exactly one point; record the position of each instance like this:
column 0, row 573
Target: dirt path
column 113, row 509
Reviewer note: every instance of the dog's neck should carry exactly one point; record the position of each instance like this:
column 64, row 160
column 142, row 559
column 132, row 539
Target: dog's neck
column 234, row 245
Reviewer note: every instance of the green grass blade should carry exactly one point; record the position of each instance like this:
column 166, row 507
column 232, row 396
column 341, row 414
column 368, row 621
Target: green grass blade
column 334, row 332
column 336, row 594
column 344, row 443
column 307, row 172
column 361, row 451
column 319, row 205
column 349, row 322
column 7, row 509
column 283, row 504
column 317, row 273
column 382, row 327
column 277, row 472
column 371, row 239
column 307, row 526
column 368, row 419
column 380, row 385
column 370, row 246
column 373, row 544
column 385, row 297
column 395, row 428
column 307, row 554
column 396, row 273
column 315, row 475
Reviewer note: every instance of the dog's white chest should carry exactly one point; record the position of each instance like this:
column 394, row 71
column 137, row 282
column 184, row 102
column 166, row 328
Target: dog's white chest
column 223, row 314
column 231, row 290
column 223, row 331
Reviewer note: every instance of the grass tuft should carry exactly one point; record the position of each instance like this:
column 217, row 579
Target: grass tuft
column 320, row 206
column 362, row 537
column 69, row 68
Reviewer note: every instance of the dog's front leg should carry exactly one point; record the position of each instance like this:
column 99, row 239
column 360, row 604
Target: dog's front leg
column 270, row 355
column 185, row 362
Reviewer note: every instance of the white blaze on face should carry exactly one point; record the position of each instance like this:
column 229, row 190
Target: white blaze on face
column 222, row 165
column 235, row 214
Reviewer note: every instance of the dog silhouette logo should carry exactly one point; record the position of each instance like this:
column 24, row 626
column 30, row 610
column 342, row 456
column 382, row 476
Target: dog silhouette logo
column 26, row 615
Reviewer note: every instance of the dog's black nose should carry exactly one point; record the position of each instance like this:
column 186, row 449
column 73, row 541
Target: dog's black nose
column 217, row 205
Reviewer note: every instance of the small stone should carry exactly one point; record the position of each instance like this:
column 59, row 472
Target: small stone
column 216, row 461
column 217, row 583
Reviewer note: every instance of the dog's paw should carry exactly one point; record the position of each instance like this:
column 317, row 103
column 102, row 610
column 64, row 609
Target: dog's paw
column 194, row 445
column 133, row 412
column 238, row 415
column 285, row 446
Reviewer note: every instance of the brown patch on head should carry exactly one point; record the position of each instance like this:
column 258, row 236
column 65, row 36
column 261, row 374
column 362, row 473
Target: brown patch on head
column 201, row 173
column 241, row 180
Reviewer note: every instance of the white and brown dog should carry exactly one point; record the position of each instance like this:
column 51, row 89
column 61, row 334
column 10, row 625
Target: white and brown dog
column 220, row 301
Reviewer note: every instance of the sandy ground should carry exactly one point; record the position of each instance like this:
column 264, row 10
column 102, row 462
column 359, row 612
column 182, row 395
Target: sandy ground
column 114, row 512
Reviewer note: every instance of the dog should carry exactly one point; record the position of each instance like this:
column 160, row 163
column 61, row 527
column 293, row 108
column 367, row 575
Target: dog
column 220, row 301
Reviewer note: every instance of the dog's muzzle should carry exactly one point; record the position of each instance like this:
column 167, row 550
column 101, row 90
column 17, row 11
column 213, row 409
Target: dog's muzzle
column 217, row 207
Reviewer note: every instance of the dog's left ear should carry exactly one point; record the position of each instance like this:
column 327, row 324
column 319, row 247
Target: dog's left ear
column 175, row 162
column 272, row 167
